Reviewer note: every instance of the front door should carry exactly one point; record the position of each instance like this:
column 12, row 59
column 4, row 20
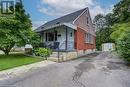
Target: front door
column 70, row 42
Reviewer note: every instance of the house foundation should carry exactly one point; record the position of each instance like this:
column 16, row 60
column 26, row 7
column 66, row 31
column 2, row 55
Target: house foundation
column 65, row 56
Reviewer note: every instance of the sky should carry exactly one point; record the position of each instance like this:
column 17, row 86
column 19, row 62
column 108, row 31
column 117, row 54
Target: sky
column 42, row 11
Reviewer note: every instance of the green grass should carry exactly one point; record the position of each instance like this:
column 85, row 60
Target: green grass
column 15, row 60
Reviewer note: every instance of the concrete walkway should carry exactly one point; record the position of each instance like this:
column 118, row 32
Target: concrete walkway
column 95, row 70
column 10, row 73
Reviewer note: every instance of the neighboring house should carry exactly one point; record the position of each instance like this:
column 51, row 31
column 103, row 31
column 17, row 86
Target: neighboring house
column 74, row 32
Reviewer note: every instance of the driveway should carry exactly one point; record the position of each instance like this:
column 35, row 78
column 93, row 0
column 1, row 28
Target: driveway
column 95, row 70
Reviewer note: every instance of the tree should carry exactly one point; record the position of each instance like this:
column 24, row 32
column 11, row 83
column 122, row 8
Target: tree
column 121, row 11
column 110, row 19
column 16, row 30
column 103, row 29
column 121, row 28
column 103, row 36
column 34, row 39
column 99, row 22
column 106, row 23
column 9, row 34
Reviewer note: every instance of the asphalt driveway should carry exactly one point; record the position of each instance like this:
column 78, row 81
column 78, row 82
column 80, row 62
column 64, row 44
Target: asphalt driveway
column 95, row 70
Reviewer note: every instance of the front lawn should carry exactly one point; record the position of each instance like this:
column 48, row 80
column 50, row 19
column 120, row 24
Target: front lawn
column 15, row 60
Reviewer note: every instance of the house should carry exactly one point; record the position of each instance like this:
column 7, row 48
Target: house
column 74, row 32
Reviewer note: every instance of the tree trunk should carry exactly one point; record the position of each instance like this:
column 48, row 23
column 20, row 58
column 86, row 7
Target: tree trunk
column 7, row 52
column 7, row 49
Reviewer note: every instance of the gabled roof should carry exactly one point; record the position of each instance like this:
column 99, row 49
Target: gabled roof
column 70, row 18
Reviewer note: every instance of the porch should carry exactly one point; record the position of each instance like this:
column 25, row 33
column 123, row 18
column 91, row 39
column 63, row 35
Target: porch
column 60, row 38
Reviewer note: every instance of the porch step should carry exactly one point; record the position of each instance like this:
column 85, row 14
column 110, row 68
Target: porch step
column 54, row 57
column 63, row 56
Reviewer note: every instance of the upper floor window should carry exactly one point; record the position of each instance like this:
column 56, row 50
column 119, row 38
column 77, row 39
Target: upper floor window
column 87, row 20
column 71, row 34
column 7, row 7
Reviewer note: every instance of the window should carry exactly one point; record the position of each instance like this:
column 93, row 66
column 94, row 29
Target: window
column 89, row 38
column 71, row 34
column 87, row 20
column 46, row 37
column 7, row 7
column 56, row 35
column 51, row 36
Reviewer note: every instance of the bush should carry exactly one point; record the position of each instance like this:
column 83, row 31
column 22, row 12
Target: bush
column 123, row 46
column 43, row 52
column 122, row 37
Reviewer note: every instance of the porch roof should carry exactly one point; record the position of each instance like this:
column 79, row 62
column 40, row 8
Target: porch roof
column 58, row 25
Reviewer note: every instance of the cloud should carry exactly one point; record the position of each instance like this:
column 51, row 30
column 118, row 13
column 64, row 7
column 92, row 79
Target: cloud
column 98, row 10
column 61, row 7
column 36, row 24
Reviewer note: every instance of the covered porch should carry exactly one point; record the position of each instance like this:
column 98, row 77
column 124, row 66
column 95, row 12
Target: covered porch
column 59, row 38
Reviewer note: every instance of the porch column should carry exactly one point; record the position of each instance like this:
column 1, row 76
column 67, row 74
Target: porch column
column 66, row 38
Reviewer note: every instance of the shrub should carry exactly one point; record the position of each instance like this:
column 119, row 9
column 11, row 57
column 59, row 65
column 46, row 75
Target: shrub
column 122, row 37
column 123, row 46
column 43, row 52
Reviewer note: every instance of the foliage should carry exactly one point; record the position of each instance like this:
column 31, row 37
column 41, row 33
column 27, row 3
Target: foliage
column 103, row 36
column 121, row 12
column 119, row 29
column 16, row 30
column 10, row 33
column 43, row 52
column 34, row 39
column 122, row 37
column 99, row 22
column 97, row 17
column 115, row 22
column 110, row 19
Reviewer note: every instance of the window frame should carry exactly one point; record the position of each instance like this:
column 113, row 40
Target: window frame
column 5, row 5
column 88, row 38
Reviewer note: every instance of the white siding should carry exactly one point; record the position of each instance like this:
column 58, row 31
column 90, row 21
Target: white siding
column 70, row 39
column 62, row 39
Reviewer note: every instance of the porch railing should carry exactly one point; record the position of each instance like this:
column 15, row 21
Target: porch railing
column 59, row 50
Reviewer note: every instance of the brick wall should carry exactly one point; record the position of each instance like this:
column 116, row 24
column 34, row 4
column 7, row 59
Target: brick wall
column 80, row 40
